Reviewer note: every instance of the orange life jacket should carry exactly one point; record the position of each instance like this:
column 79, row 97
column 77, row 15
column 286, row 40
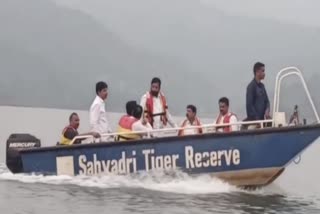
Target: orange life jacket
column 197, row 123
column 127, row 121
column 148, row 112
column 125, row 126
column 226, row 119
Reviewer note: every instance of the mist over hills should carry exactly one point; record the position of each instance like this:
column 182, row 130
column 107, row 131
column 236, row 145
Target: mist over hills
column 52, row 55
column 53, row 58
column 205, row 38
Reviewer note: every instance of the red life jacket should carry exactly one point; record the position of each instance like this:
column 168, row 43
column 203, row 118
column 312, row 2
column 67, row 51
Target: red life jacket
column 149, row 109
column 125, row 127
column 127, row 121
column 226, row 120
column 197, row 123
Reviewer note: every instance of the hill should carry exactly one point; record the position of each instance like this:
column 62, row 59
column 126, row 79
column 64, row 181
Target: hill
column 210, row 42
column 52, row 56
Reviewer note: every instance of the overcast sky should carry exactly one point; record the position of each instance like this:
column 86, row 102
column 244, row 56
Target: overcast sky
column 305, row 12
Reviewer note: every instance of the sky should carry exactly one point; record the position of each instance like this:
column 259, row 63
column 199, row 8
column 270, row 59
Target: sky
column 304, row 12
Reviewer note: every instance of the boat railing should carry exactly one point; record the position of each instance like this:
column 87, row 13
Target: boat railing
column 285, row 72
column 165, row 131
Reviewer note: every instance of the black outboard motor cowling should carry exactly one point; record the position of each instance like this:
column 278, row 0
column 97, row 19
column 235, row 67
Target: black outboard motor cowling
column 15, row 143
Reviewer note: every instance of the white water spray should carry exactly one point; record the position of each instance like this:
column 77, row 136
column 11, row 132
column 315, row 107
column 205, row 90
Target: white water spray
column 178, row 182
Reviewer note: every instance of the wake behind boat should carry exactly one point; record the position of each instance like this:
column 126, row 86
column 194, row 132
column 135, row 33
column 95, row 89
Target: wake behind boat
column 243, row 158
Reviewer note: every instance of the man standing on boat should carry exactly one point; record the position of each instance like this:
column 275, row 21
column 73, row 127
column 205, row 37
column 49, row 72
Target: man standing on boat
column 257, row 101
column 155, row 106
column 226, row 117
column 97, row 117
column 191, row 120
column 71, row 131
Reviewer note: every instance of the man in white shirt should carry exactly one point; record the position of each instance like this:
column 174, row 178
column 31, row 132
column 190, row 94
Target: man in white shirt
column 155, row 107
column 226, row 117
column 97, row 116
column 191, row 120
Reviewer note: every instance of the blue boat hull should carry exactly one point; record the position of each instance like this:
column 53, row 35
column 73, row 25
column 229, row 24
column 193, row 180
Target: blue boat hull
column 248, row 158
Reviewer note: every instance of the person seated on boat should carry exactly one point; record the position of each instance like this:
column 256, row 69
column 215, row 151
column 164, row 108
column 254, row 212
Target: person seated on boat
column 142, row 124
column 130, row 106
column 131, row 123
column 226, row 117
column 191, row 120
column 257, row 100
column 71, row 131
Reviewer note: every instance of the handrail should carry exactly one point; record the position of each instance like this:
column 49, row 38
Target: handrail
column 261, row 122
column 279, row 79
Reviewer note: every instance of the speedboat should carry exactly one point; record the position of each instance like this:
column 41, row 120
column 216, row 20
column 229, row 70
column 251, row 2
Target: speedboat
column 244, row 158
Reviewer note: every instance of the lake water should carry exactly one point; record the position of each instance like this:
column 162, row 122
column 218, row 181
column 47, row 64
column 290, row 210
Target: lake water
column 296, row 191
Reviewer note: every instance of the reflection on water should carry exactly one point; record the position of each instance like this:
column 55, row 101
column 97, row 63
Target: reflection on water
column 75, row 199
column 265, row 203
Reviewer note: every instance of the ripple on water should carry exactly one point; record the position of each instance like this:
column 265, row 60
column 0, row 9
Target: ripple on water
column 157, row 192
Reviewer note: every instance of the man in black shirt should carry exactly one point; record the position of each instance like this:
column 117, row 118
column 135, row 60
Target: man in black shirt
column 257, row 101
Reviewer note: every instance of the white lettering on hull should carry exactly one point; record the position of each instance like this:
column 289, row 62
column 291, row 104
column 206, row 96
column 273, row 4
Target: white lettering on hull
column 213, row 158
column 121, row 166
column 159, row 162
column 125, row 165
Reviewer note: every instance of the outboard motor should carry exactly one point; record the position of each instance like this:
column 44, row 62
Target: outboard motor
column 15, row 143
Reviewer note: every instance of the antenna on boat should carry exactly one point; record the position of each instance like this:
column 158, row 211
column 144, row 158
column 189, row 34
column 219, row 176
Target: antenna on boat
column 285, row 72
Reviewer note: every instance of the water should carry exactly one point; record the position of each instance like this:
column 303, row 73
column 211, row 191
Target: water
column 296, row 191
